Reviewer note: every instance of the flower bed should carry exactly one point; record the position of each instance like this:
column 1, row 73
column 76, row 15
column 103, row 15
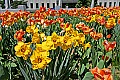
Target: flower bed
column 60, row 45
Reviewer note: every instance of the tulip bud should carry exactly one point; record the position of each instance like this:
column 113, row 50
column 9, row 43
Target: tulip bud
column 0, row 38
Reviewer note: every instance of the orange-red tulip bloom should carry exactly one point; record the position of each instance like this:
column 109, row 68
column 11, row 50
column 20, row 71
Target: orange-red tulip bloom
column 79, row 26
column 19, row 35
column 87, row 30
column 108, row 36
column 60, row 20
column 0, row 38
column 101, row 74
column 42, row 9
column 30, row 21
column 95, row 35
column 105, row 57
column 109, row 45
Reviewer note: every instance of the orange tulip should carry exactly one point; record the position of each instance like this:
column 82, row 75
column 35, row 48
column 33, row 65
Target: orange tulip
column 30, row 21
column 109, row 45
column 0, row 38
column 64, row 26
column 79, row 26
column 60, row 20
column 109, row 25
column 52, row 12
column 19, row 35
column 88, row 18
column 3, row 21
column 49, row 22
column 95, row 35
column 105, row 57
column 101, row 20
column 87, row 30
column 108, row 36
column 38, row 21
column 101, row 74
column 62, row 11
column 42, row 9
column 37, row 14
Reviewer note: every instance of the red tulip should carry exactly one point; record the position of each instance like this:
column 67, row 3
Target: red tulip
column 19, row 35
column 0, row 38
column 109, row 45
column 95, row 35
column 105, row 57
column 101, row 74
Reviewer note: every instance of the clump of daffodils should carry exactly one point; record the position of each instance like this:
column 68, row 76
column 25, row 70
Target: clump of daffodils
column 39, row 55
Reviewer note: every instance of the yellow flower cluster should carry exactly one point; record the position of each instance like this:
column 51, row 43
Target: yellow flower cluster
column 110, row 23
column 23, row 50
column 39, row 57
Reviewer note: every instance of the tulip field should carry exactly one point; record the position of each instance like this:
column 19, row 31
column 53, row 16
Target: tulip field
column 77, row 44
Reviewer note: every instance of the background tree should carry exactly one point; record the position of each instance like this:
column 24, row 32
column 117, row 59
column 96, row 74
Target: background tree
column 85, row 3
column 15, row 4
column 2, row 4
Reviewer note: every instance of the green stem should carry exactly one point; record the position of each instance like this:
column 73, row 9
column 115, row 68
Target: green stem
column 43, row 76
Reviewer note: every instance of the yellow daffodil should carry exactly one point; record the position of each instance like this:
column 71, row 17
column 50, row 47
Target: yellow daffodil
column 39, row 60
column 31, row 29
column 48, row 45
column 75, row 38
column 74, row 33
column 36, row 38
column 81, row 38
column 39, row 48
column 66, row 42
column 43, row 37
column 93, row 18
column 23, row 50
column 54, row 38
column 87, row 45
column 65, row 47
column 69, row 30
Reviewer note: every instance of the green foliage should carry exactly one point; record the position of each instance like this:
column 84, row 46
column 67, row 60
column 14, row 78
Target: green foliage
column 87, row 76
column 16, row 3
column 85, row 3
column 100, row 64
column 2, row 4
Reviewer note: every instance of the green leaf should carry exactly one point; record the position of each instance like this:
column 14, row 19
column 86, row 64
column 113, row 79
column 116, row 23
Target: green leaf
column 62, row 65
column 87, row 53
column 55, row 66
column 13, row 65
column 73, row 67
column 100, row 45
column 0, row 52
column 23, row 72
column 99, row 53
column 109, row 54
column 87, row 65
column 113, row 71
column 82, row 68
column 88, row 76
column 80, row 53
column 1, row 58
column 100, row 64
column 1, row 71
